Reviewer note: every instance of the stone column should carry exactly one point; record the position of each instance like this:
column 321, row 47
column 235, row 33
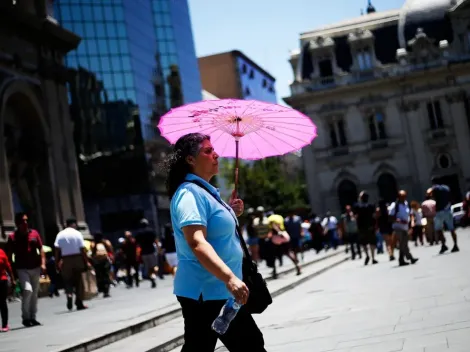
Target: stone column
column 461, row 131
column 75, row 192
column 410, row 120
column 57, row 146
column 7, row 215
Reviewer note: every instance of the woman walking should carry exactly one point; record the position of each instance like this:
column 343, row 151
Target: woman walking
column 208, row 249
column 5, row 273
column 384, row 226
column 417, row 222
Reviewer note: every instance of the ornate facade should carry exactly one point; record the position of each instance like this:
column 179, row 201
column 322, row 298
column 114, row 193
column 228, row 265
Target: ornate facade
column 390, row 94
column 38, row 168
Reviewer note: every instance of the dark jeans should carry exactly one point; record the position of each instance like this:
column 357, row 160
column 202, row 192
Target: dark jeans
column 3, row 302
column 353, row 239
column 243, row 334
column 130, row 279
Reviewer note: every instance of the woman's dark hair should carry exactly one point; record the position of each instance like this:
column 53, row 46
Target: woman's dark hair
column 175, row 164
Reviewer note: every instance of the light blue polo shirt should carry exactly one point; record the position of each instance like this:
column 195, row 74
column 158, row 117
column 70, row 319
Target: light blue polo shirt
column 192, row 205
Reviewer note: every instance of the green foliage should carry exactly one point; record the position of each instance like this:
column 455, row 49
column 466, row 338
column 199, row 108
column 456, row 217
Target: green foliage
column 266, row 183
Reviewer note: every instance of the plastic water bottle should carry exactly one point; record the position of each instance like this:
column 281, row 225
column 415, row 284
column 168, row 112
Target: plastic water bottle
column 227, row 314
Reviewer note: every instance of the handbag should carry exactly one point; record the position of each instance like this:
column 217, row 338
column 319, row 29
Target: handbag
column 260, row 297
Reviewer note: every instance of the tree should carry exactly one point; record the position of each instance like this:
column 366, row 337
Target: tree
column 266, row 183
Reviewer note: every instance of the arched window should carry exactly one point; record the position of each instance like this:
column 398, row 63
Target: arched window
column 388, row 188
column 347, row 193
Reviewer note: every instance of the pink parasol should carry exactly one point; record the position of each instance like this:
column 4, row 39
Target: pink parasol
column 258, row 129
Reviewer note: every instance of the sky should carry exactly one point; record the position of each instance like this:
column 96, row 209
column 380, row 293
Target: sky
column 267, row 30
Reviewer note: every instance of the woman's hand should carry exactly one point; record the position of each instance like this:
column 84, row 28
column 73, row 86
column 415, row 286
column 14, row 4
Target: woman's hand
column 238, row 289
column 236, row 204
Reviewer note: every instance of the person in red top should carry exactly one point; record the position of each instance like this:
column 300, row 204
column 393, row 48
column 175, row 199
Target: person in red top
column 26, row 245
column 5, row 268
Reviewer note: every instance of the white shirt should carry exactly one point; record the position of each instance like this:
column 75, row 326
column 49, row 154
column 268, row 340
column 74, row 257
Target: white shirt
column 402, row 213
column 330, row 223
column 69, row 241
column 418, row 214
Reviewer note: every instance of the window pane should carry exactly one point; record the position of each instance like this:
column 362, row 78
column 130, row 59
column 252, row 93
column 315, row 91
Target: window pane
column 105, row 64
column 438, row 114
column 118, row 81
column 119, row 13
column 111, row 30
column 108, row 13
column 87, row 12
column 116, row 63
column 121, row 31
column 333, row 137
column 64, row 14
column 126, row 63
column 123, row 48
column 113, row 46
column 432, row 120
column 372, row 128
column 92, row 47
column 128, row 80
column 89, row 30
column 94, row 64
column 98, row 12
column 342, row 134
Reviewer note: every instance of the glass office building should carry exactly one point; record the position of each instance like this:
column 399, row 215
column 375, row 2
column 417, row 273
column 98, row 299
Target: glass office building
column 136, row 61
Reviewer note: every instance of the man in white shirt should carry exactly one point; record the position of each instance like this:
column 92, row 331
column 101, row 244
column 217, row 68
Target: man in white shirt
column 330, row 226
column 70, row 248
column 400, row 212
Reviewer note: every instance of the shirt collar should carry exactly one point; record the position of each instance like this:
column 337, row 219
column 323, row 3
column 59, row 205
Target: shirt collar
column 193, row 177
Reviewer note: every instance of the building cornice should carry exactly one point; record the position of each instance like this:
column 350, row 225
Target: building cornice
column 412, row 79
column 35, row 29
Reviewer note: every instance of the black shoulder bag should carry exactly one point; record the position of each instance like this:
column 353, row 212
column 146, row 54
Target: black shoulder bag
column 259, row 298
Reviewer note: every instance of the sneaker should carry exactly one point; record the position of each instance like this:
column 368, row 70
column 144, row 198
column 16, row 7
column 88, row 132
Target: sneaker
column 392, row 258
column 82, row 307
column 455, row 249
column 404, row 263
column 26, row 323
column 414, row 260
column 366, row 261
column 444, row 249
column 5, row 329
column 375, row 262
column 34, row 322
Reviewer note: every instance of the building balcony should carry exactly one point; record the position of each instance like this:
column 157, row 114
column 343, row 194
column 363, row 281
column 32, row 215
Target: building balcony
column 438, row 137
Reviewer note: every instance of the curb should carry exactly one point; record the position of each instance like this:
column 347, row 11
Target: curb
column 178, row 341
column 120, row 334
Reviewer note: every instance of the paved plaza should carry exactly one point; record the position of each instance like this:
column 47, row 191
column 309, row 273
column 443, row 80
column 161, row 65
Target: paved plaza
column 381, row 308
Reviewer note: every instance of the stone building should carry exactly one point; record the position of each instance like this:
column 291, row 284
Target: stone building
column 390, row 94
column 38, row 168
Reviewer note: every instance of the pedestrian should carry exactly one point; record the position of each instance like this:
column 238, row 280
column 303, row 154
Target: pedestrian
column 444, row 217
column 70, row 249
column 169, row 249
column 281, row 241
column 253, row 240
column 146, row 238
column 102, row 265
column 7, row 280
column 129, row 251
column 416, row 222
column 26, row 245
column 429, row 212
column 365, row 217
column 400, row 212
column 208, row 248
column 52, row 274
column 330, row 226
column 384, row 226
column 350, row 232
column 293, row 225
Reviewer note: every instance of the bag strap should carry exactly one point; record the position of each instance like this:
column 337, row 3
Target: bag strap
column 237, row 228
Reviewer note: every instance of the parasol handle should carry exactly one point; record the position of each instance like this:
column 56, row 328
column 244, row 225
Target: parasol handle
column 236, row 166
